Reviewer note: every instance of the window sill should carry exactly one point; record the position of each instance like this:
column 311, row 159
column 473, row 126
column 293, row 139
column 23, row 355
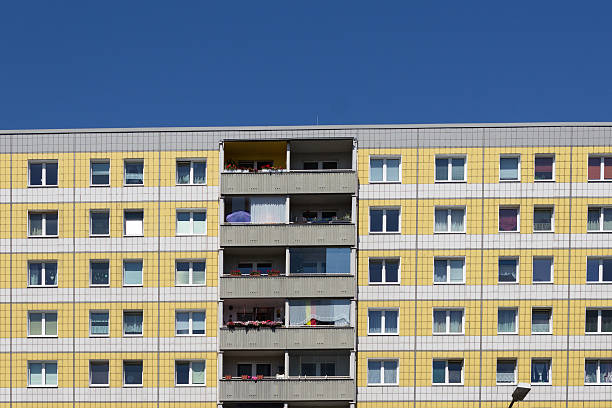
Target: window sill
column 133, row 185
column 510, row 181
column 544, row 181
column 535, row 383
column 507, row 333
column 449, row 181
column 509, row 232
column 507, row 283
column 541, row 334
column 449, row 283
column 598, row 333
column 132, row 385
column 598, row 231
column 190, row 385
column 191, row 235
column 599, row 180
column 107, row 285
column 447, row 384
column 133, row 286
column 384, row 385
column 542, row 283
column 187, row 285
column 384, row 233
column 43, row 236
column 190, row 335
column 598, row 282
column 99, row 185
column 42, row 386
column 543, row 232
column 99, row 386
column 448, row 334
column 42, row 337
column 505, row 383
column 99, row 235
column 133, row 335
column 586, row 384
column 385, row 182
column 133, row 236
column 448, row 232
column 99, row 336
column 190, row 184
column 383, row 283
column 383, row 334
column 42, row 286
column 44, row 186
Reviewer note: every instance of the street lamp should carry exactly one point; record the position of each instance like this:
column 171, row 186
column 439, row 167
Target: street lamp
column 520, row 392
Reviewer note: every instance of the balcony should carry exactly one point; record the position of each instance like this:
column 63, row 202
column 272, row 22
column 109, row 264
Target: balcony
column 290, row 182
column 287, row 338
column 288, row 234
column 288, row 389
column 287, row 286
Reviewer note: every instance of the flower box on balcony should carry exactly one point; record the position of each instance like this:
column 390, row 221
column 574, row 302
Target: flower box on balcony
column 228, row 377
column 235, row 272
column 255, row 273
column 260, row 376
column 245, row 377
column 274, row 272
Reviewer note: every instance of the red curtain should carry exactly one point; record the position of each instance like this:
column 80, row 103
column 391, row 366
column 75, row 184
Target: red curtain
column 508, row 219
column 594, row 172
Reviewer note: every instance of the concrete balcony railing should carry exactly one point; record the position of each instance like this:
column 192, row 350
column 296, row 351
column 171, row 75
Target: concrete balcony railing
column 309, row 286
column 290, row 182
column 288, row 234
column 288, row 389
column 287, row 338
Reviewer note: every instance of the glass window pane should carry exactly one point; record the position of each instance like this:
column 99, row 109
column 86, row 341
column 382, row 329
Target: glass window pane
column 458, row 165
column 51, row 223
column 375, row 321
column 374, row 368
column 605, row 371
column 508, row 219
column 543, row 168
column 376, row 267
column 508, row 168
column 506, row 321
column 182, row 373
column 182, row 273
column 35, row 273
column 182, row 323
column 133, row 223
column 36, row 224
column 441, row 220
column 541, row 269
column 199, row 223
column 376, row 220
column 592, row 270
column 51, row 174
column 36, row 174
column 100, row 223
column 456, row 270
column 132, row 323
column 98, row 373
column 440, row 270
column 51, row 274
column 100, row 173
column 51, row 324
column 439, row 372
column 539, row 371
column 507, row 270
column 134, row 173
column 542, row 220
column 390, row 372
column 594, row 172
column 590, row 371
column 457, row 220
column 199, row 172
column 99, row 273
column 505, row 371
column 197, row 372
column 391, row 317
column 35, row 324
column 183, row 223
column 50, row 373
column 35, row 374
column 593, row 219
column 607, row 219
column 391, row 270
column 456, row 321
column 132, row 373
column 199, row 273
column 392, row 221
column 393, row 169
column 439, row 323
column 540, row 321
column 183, row 170
column 99, row 323
column 606, row 321
column 441, row 169
column 454, row 372
column 198, row 322
column 592, row 317
column 132, row 273
column 606, row 266
column 376, row 169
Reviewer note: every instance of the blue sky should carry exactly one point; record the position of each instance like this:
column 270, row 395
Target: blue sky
column 196, row 63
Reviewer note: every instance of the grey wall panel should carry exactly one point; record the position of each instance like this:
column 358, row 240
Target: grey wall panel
column 289, row 338
column 329, row 389
column 288, row 235
column 287, row 286
column 295, row 182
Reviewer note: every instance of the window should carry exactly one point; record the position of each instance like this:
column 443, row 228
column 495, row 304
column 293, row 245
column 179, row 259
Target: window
column 191, row 172
column 190, row 373
column 319, row 312
column 317, row 260
column 255, row 369
column 598, row 372
column 42, row 274
column 99, row 224
column 542, row 270
column 509, row 168
column 190, row 272
column 264, row 268
column 449, row 220
column 599, row 270
column 383, row 321
column 448, row 321
column 99, row 273
column 191, row 222
column 450, row 168
column 383, row 372
column 598, row 321
column 318, row 369
column 43, row 174
column 42, row 373
column 384, row 271
column 508, row 270
column 99, row 172
column 506, row 372
column 98, row 323
column 133, row 223
column 540, row 371
column 190, row 323
column 98, row 373
column 447, row 372
column 600, row 168
column 541, row 321
column 599, row 219
column 383, row 169
column 42, row 224
column 133, row 171
column 42, row 324
column 384, row 220
column 132, row 323
column 543, row 219
column 449, row 270
column 509, row 219
column 320, row 165
column 132, row 273
column 507, row 321
column 544, row 168
column 132, row 373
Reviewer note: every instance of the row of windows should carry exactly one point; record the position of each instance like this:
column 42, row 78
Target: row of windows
column 44, row 373
column 454, row 169
column 452, row 219
column 386, row 372
column 452, row 270
column 44, row 173
column 452, row 321
column 187, row 323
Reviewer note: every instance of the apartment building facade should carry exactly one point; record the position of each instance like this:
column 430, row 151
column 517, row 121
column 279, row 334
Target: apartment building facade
column 331, row 266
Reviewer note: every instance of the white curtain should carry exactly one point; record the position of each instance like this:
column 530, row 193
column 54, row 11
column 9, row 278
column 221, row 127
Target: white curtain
column 268, row 210
column 303, row 312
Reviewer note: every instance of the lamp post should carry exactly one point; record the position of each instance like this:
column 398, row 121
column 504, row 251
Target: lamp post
column 520, row 392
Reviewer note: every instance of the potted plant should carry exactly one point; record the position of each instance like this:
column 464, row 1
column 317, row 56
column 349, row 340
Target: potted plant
column 260, row 376
column 230, row 165
column 228, row 377
column 273, row 272
column 235, row 272
column 255, row 272
column 245, row 377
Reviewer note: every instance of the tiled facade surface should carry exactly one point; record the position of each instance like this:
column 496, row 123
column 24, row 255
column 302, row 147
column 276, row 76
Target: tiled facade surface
column 479, row 295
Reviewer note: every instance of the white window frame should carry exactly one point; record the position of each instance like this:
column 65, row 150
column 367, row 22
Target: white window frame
column 44, row 323
column 141, row 273
column 382, row 372
column 552, row 271
column 601, row 158
column 126, row 161
column 552, row 218
column 384, row 271
column 44, row 173
column 601, row 218
column 384, row 159
column 384, row 219
column 448, row 219
column 191, row 262
column 44, row 224
column 98, row 211
column 320, row 164
column 132, row 362
column 449, row 167
column 554, row 167
column 191, row 178
column 510, row 156
column 550, row 320
column 516, row 321
column 383, row 321
column 447, row 322
column 599, row 321
column 191, row 312
column 600, row 280
column 191, row 384
column 91, row 385
column 191, row 211
column 99, row 161
column 99, row 285
column 123, row 323
column 598, row 375
column 43, row 373
column 517, row 269
column 514, row 360
column 447, row 260
column 518, row 218
column 549, row 370
column 109, row 323
column 135, row 210
column 446, row 376
column 43, row 276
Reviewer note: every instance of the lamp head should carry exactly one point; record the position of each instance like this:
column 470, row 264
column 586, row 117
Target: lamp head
column 521, row 391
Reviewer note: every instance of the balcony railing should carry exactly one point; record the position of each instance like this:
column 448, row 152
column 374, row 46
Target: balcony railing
column 310, row 286
column 290, row 182
column 288, row 389
column 288, row 234
column 287, row 338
